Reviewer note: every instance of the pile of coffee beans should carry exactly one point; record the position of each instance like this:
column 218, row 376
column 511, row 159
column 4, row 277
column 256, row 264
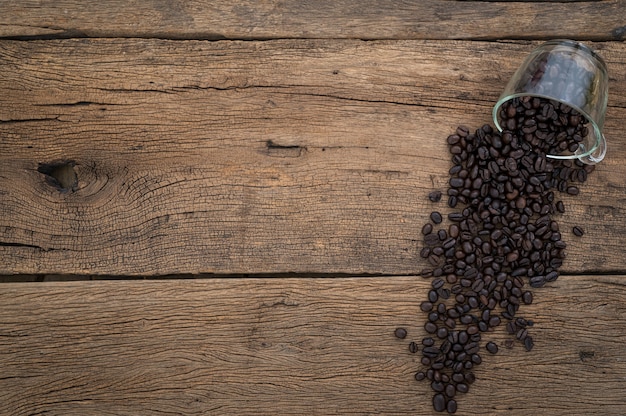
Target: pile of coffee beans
column 500, row 238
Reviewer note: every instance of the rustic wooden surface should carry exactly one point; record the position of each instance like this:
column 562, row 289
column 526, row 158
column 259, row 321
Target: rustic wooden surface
column 291, row 346
column 272, row 19
column 254, row 145
column 247, row 157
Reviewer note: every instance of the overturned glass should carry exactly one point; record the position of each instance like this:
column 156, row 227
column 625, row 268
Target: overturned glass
column 571, row 74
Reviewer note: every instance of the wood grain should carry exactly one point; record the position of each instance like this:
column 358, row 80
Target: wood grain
column 425, row 19
column 257, row 157
column 293, row 347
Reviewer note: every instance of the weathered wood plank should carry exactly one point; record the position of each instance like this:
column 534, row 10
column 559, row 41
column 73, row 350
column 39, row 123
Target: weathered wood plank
column 292, row 346
column 425, row 19
column 257, row 157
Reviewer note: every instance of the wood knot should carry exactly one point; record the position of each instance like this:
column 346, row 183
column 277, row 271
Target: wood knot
column 60, row 174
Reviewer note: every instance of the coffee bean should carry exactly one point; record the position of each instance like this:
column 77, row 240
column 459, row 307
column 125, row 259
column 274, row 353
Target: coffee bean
column 462, row 131
column 437, row 386
column 413, row 347
column 427, row 229
column 430, row 327
column 434, row 196
column 453, row 139
column 451, row 406
column 439, row 402
column 578, row 231
column 400, row 333
column 442, row 332
column 436, row 217
column 456, row 182
column 527, row 297
column 462, row 388
column 450, row 390
column 573, row 190
column 492, row 347
column 419, row 376
column 528, row 343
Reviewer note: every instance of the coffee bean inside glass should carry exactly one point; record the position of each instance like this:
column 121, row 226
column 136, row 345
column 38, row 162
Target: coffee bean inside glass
column 566, row 82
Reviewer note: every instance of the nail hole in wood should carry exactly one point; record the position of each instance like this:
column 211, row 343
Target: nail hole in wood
column 61, row 175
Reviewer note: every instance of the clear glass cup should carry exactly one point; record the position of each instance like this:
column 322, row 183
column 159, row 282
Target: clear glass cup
column 571, row 73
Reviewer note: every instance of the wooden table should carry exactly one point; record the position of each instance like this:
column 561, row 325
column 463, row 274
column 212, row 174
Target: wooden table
column 235, row 223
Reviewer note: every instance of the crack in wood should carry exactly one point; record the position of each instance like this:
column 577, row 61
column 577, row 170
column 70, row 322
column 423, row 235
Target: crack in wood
column 74, row 104
column 5, row 244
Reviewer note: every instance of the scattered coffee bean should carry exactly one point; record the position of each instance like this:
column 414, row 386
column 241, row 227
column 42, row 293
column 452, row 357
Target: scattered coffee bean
column 462, row 388
column 528, row 343
column 412, row 347
column 426, row 306
column 439, row 402
column 452, row 406
column 502, row 237
column 430, row 327
column 578, row 231
column 400, row 333
column 492, row 347
column 434, row 196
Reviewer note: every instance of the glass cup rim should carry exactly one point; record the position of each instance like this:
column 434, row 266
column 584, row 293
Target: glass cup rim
column 596, row 128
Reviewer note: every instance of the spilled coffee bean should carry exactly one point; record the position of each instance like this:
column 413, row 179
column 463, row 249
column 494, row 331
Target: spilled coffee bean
column 501, row 237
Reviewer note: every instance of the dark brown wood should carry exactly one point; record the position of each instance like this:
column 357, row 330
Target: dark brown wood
column 251, row 19
column 292, row 347
column 256, row 157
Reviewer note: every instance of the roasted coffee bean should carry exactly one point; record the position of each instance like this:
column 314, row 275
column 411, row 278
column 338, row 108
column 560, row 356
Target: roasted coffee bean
column 434, row 196
column 578, row 231
column 437, row 386
column 436, row 217
column 420, row 375
column 431, row 239
column 430, row 352
column 456, row 182
column 400, row 333
column 426, row 306
column 462, row 388
column 427, row 229
column 528, row 343
column 437, row 283
column 430, row 327
column 439, row 402
column 442, row 333
column 573, row 190
column 450, row 390
column 428, row 342
column 492, row 347
column 451, row 407
column 527, row 297
column 413, row 347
